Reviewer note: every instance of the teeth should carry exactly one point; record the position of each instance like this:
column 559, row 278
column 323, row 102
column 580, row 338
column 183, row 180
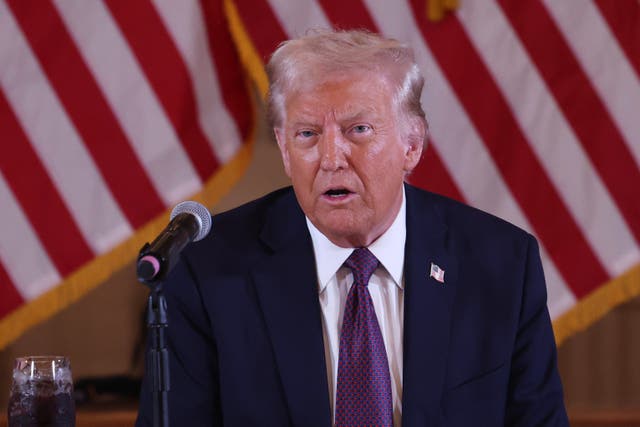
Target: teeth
column 336, row 193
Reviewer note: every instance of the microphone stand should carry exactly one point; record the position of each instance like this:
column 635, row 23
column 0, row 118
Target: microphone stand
column 158, row 355
column 190, row 221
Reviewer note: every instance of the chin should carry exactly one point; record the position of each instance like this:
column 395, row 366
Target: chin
column 345, row 234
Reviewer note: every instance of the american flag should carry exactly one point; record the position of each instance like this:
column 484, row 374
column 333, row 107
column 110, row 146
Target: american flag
column 111, row 113
column 534, row 112
column 437, row 273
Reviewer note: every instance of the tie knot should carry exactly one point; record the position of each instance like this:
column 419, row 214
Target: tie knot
column 362, row 263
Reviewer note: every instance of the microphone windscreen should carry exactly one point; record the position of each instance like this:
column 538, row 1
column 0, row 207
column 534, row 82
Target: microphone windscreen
column 197, row 210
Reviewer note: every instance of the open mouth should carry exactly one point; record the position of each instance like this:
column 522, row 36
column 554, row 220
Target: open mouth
column 335, row 193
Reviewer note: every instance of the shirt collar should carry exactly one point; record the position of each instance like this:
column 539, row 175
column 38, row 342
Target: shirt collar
column 388, row 248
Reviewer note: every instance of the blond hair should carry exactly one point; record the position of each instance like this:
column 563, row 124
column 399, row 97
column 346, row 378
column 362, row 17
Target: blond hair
column 327, row 52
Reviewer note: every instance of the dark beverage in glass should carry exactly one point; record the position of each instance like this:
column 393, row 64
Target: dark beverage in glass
column 41, row 393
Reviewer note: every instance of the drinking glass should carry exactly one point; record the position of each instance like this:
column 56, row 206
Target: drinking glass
column 41, row 393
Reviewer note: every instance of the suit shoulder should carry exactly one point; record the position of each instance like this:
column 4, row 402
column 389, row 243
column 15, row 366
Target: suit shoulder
column 251, row 212
column 238, row 230
column 468, row 222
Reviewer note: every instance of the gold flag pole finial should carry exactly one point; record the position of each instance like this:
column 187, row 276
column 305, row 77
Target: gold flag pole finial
column 436, row 9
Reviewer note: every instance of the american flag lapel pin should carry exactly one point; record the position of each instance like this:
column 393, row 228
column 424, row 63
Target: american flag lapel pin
column 437, row 273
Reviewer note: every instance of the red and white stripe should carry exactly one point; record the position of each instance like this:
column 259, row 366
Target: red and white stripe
column 145, row 123
column 555, row 143
column 110, row 114
column 29, row 267
column 547, row 141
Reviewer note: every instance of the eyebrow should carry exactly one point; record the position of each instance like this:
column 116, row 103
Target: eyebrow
column 306, row 118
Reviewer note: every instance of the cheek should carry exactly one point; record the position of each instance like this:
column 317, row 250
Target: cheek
column 309, row 156
column 303, row 168
column 303, row 163
column 385, row 161
column 382, row 173
column 375, row 149
column 303, row 156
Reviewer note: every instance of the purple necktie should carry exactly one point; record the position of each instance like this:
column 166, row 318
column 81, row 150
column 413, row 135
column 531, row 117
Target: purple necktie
column 363, row 396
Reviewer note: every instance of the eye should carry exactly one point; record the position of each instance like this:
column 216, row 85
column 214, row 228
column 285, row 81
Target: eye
column 361, row 128
column 306, row 133
column 305, row 137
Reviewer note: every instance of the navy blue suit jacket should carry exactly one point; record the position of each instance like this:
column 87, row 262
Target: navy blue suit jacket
column 245, row 334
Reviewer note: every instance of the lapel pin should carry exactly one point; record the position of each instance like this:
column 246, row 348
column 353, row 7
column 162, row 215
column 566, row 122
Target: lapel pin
column 437, row 273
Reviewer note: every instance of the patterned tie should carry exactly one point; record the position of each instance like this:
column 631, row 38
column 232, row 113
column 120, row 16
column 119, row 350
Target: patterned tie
column 363, row 396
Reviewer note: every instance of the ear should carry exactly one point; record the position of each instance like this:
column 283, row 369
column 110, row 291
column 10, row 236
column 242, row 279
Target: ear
column 284, row 152
column 415, row 144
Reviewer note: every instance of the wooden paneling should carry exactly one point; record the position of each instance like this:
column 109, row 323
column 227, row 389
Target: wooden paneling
column 600, row 366
column 604, row 418
column 98, row 419
column 578, row 418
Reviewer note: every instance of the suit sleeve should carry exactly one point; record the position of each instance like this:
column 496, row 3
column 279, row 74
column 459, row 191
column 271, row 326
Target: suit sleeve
column 193, row 396
column 535, row 390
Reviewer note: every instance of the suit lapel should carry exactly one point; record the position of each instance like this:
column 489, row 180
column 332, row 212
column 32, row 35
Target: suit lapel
column 428, row 306
column 286, row 284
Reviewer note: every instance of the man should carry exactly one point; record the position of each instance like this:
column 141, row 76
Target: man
column 353, row 298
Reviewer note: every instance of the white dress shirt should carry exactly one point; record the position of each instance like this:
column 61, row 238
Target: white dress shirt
column 386, row 287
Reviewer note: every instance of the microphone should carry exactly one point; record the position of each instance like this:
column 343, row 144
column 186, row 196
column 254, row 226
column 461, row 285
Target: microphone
column 189, row 222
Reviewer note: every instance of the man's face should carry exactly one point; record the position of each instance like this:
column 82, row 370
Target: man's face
column 346, row 148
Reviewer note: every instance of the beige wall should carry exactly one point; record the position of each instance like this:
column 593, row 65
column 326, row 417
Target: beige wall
column 599, row 367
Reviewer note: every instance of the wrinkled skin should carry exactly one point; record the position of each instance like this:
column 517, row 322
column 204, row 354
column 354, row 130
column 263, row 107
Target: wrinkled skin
column 347, row 148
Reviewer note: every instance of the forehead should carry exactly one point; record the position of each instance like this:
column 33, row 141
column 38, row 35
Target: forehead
column 354, row 93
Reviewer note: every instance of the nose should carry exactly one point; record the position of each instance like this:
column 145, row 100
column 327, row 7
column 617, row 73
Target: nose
column 333, row 150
